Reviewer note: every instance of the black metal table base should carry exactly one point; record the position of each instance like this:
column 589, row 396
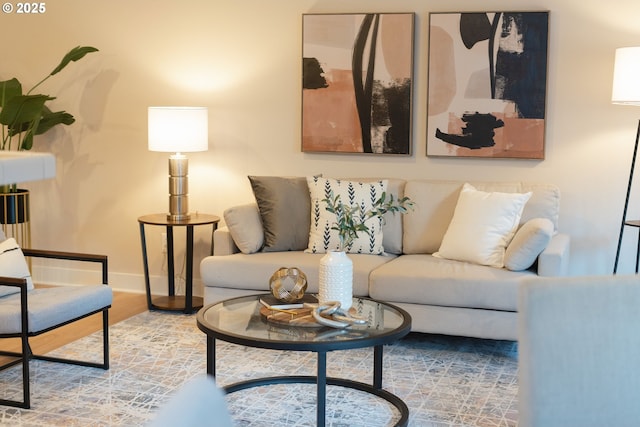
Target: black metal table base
column 321, row 380
column 172, row 302
column 383, row 394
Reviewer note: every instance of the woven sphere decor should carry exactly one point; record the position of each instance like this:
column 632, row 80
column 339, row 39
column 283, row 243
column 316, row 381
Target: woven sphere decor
column 288, row 284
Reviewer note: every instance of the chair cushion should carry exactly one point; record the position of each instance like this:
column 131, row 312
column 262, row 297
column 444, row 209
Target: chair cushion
column 13, row 264
column 52, row 306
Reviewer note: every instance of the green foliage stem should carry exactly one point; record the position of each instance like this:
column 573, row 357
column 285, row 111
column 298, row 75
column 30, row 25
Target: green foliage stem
column 350, row 219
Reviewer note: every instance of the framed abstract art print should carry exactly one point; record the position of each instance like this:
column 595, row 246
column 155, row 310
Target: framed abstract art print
column 487, row 84
column 357, row 83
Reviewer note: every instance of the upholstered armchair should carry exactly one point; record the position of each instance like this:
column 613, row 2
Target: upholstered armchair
column 26, row 312
column 579, row 349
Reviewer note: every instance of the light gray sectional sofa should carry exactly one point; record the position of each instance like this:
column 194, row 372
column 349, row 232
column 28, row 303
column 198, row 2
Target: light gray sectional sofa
column 443, row 295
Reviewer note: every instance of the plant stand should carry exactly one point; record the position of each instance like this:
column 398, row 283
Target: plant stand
column 15, row 216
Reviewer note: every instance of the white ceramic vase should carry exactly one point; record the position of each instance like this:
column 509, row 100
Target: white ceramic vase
column 336, row 279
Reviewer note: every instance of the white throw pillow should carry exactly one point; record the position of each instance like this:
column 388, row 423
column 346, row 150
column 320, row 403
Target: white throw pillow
column 13, row 264
column 482, row 226
column 321, row 237
column 529, row 241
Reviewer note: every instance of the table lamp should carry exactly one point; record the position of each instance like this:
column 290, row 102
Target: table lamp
column 626, row 91
column 178, row 130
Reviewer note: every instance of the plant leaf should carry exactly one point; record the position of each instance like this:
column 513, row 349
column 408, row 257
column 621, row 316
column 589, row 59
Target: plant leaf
column 9, row 89
column 51, row 119
column 21, row 109
column 74, row 54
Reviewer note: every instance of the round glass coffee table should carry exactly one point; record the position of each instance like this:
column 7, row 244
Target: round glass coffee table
column 239, row 321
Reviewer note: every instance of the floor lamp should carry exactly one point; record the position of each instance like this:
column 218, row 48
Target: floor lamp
column 626, row 91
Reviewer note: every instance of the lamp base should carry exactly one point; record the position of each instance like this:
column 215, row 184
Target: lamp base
column 178, row 188
column 180, row 217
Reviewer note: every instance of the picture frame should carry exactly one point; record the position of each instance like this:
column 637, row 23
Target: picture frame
column 487, row 84
column 357, row 83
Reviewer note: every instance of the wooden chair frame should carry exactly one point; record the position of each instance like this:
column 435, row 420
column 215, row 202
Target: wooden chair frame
column 26, row 354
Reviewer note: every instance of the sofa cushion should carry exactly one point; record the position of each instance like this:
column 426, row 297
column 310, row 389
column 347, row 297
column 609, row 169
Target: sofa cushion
column 13, row 264
column 425, row 279
column 425, row 226
column 482, row 226
column 285, row 211
column 245, row 227
column 544, row 201
column 364, row 194
column 222, row 271
column 528, row 242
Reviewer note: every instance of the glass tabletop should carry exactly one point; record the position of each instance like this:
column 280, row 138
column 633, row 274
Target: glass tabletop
column 240, row 321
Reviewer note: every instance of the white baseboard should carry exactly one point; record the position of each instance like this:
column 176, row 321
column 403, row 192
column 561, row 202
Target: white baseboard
column 124, row 282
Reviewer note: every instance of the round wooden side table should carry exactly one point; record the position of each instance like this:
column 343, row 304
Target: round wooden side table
column 172, row 302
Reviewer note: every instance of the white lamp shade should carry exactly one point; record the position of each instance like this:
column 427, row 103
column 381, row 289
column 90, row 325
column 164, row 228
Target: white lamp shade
column 178, row 129
column 626, row 76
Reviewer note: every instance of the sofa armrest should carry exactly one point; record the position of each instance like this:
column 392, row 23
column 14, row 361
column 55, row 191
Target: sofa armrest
column 554, row 260
column 223, row 243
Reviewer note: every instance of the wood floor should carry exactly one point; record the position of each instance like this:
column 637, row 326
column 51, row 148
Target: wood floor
column 125, row 305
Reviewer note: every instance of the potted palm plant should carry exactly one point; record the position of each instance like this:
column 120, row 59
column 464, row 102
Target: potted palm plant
column 23, row 115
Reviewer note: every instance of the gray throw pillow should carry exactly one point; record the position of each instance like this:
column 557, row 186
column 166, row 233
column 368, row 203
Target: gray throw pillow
column 529, row 241
column 285, row 210
column 245, row 227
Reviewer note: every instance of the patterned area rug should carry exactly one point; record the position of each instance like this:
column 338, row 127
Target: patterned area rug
column 445, row 381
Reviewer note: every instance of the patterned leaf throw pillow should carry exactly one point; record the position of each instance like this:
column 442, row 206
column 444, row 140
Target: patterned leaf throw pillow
column 321, row 237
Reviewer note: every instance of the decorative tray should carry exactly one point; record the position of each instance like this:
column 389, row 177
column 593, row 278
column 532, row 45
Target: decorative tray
column 304, row 317
column 301, row 317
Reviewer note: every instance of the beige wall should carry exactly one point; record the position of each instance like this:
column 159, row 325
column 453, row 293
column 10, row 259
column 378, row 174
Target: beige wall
column 241, row 59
